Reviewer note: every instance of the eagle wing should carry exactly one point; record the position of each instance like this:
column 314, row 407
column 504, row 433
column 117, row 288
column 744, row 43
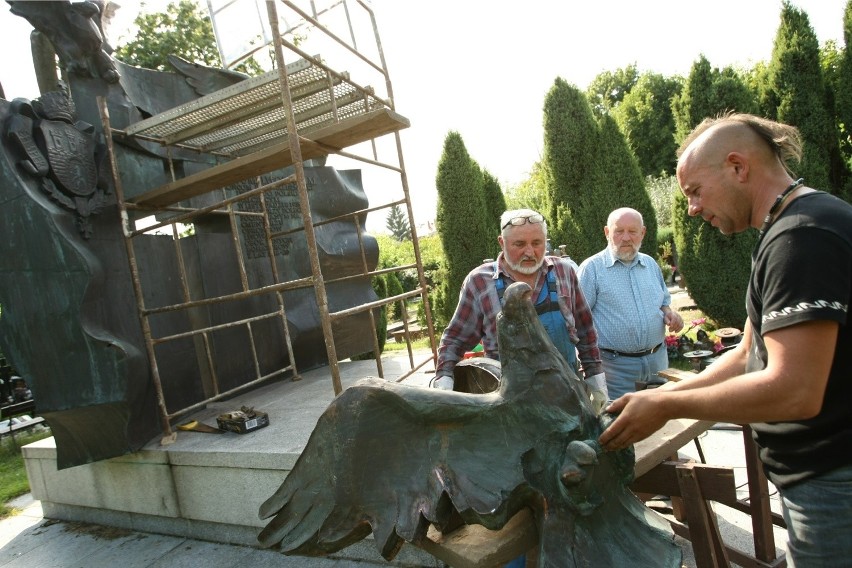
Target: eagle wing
column 390, row 459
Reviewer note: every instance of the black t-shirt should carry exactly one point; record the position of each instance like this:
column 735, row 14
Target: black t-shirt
column 802, row 271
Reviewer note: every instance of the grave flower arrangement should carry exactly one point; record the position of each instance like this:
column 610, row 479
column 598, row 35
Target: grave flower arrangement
column 692, row 338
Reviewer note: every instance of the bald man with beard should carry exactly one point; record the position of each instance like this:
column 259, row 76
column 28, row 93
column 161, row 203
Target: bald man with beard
column 630, row 303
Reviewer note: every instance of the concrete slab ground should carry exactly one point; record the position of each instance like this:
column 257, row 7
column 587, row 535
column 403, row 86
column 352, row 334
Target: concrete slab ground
column 28, row 540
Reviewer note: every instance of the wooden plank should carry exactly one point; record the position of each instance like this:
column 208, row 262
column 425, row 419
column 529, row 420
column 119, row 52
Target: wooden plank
column 340, row 135
column 717, row 482
column 474, row 546
column 673, row 374
column 704, row 535
column 758, row 491
column 665, row 443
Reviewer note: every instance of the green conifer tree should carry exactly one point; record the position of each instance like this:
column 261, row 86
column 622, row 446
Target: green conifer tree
column 459, row 217
column 397, row 224
column 494, row 206
column 843, row 96
column 796, row 79
column 622, row 186
column 570, row 154
column 713, row 266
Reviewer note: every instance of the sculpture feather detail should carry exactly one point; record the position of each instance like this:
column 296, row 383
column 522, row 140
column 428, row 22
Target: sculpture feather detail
column 390, row 459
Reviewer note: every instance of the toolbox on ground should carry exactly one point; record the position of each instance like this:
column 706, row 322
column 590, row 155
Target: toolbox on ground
column 243, row 420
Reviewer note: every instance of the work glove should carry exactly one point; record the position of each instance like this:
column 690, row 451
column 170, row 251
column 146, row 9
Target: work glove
column 445, row 383
column 596, row 385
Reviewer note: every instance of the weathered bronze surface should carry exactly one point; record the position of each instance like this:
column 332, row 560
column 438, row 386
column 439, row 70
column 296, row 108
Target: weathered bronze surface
column 392, row 458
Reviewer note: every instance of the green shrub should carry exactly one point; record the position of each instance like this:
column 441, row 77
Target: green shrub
column 380, row 285
column 394, row 287
column 713, row 267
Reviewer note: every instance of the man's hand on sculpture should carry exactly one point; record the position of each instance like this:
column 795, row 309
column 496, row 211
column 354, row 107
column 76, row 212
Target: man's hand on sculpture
column 445, row 383
column 598, row 392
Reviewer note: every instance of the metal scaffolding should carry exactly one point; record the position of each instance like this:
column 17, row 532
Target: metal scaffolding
column 302, row 110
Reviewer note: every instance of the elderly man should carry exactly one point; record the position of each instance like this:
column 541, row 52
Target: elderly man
column 559, row 301
column 791, row 375
column 630, row 305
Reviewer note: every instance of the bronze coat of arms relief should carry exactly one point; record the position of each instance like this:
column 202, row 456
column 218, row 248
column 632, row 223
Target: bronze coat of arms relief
column 62, row 154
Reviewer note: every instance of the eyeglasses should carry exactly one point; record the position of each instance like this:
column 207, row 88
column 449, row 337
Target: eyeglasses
column 523, row 220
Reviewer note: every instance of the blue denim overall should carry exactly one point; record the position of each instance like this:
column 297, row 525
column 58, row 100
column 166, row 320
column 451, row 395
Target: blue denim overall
column 547, row 308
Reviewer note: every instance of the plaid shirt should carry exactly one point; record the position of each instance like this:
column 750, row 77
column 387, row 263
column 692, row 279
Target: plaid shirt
column 475, row 318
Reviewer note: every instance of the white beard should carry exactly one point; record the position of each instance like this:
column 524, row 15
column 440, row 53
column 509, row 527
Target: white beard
column 523, row 269
column 624, row 256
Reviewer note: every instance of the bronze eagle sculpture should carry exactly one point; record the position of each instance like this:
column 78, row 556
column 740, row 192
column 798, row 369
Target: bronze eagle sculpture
column 390, row 459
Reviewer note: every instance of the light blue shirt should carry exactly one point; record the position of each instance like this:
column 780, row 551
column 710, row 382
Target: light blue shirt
column 626, row 300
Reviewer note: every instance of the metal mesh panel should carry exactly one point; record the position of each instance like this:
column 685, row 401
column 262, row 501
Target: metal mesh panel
column 248, row 116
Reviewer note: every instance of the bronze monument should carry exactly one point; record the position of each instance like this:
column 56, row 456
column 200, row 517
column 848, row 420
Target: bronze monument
column 390, row 459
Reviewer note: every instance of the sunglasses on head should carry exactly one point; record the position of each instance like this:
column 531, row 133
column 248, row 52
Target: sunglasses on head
column 524, row 219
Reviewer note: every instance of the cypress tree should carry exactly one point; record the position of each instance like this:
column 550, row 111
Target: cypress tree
column 689, row 107
column 795, row 77
column 713, row 266
column 570, row 153
column 622, row 186
column 459, row 217
column 494, row 204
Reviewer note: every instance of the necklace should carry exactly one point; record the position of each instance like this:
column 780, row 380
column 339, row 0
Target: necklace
column 778, row 201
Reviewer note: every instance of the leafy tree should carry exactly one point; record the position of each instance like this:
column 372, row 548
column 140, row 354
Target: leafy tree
column 397, row 224
column 185, row 30
column 531, row 193
column 570, row 155
column 460, row 217
column 645, row 116
column 661, row 192
column 757, row 80
column 608, row 89
column 795, row 78
column 494, row 206
column 395, row 253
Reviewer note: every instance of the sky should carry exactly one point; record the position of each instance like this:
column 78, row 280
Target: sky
column 482, row 68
